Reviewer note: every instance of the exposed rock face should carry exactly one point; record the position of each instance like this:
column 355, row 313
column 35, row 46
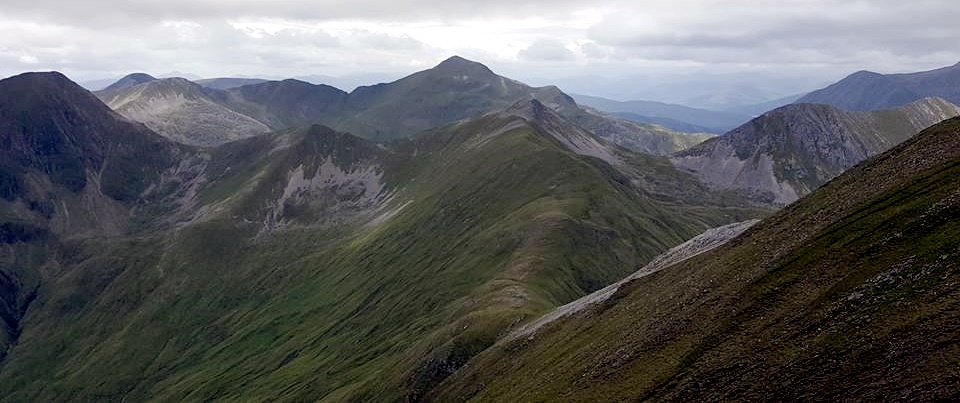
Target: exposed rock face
column 181, row 111
column 789, row 152
column 866, row 90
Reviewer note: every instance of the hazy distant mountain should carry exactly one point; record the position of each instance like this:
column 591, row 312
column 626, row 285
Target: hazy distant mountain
column 226, row 83
column 182, row 111
column 763, row 107
column 666, row 114
column 703, row 90
column 130, row 80
column 865, row 90
column 791, row 151
column 851, row 294
column 349, row 82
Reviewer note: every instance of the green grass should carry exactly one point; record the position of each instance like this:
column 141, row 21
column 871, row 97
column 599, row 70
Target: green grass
column 222, row 309
column 850, row 293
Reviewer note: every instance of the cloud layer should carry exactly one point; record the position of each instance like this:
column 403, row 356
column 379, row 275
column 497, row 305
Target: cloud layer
column 535, row 38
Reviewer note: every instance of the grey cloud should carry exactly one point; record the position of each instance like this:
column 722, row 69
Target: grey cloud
column 99, row 12
column 546, row 50
column 824, row 33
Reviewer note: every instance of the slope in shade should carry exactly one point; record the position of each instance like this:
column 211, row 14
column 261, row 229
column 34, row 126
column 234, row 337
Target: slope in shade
column 849, row 294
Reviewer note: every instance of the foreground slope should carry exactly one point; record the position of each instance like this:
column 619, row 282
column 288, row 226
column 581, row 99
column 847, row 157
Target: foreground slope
column 310, row 264
column 791, row 151
column 866, row 90
column 850, row 293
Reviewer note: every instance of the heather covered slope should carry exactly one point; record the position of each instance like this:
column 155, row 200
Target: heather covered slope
column 850, row 293
column 793, row 150
column 314, row 265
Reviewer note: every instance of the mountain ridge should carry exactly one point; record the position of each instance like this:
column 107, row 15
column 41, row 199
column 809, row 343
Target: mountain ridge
column 867, row 90
column 792, row 150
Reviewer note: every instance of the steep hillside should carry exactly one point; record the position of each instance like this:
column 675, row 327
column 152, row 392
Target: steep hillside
column 850, row 294
column 70, row 168
column 310, row 264
column 181, row 111
column 866, row 90
column 789, row 152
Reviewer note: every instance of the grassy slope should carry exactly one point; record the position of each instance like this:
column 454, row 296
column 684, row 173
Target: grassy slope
column 849, row 294
column 495, row 232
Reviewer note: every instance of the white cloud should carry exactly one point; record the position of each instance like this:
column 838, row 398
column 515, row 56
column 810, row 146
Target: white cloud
column 546, row 50
column 528, row 39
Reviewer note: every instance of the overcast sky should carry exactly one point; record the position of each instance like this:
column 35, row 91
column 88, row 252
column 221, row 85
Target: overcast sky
column 532, row 40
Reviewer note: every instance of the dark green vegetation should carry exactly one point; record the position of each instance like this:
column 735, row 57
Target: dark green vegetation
column 455, row 89
column 791, row 151
column 306, row 264
column 866, row 90
column 852, row 293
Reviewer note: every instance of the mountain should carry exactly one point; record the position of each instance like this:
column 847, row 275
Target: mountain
column 226, row 83
column 865, row 90
column 182, row 111
column 454, row 90
column 851, row 293
column 70, row 168
column 288, row 103
column 791, row 151
column 130, row 80
column 666, row 115
column 458, row 88
column 310, row 264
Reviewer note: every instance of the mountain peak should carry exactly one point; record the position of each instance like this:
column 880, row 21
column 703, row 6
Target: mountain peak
column 459, row 64
column 130, row 80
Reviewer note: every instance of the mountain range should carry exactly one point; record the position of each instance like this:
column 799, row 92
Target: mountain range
column 305, row 263
column 676, row 117
column 459, row 236
column 455, row 89
column 866, row 90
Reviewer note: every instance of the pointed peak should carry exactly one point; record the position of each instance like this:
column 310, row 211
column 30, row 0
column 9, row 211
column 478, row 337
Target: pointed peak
column 459, row 64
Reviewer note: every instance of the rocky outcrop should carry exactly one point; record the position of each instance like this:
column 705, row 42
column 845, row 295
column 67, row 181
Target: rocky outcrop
column 788, row 152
